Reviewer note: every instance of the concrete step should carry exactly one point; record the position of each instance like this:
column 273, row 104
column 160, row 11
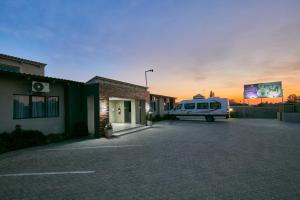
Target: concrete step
column 130, row 130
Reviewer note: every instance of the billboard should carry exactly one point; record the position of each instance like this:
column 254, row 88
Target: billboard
column 263, row 90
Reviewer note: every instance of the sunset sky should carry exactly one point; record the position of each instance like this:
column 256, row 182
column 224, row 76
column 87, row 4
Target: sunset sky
column 193, row 46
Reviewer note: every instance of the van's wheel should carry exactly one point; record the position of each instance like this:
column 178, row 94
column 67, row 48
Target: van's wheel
column 209, row 118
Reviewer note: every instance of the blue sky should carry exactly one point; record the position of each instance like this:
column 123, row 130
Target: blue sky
column 193, row 46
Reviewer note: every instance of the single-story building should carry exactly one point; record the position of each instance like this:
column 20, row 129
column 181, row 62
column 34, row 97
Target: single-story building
column 52, row 105
column 160, row 104
column 57, row 110
column 120, row 103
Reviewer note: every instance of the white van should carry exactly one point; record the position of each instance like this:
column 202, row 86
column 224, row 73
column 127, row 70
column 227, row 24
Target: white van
column 209, row 108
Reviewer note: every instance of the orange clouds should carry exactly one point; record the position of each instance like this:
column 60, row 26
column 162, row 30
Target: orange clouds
column 228, row 81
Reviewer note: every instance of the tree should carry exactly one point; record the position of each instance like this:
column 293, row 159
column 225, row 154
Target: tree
column 293, row 98
column 211, row 94
column 233, row 102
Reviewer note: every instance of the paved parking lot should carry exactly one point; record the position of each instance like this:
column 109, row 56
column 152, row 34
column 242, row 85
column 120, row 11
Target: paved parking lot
column 228, row 159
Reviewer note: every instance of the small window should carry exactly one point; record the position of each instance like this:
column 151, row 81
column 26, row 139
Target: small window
column 215, row 105
column 178, row 106
column 53, row 107
column 189, row 106
column 202, row 105
column 21, row 107
column 38, row 106
column 153, row 106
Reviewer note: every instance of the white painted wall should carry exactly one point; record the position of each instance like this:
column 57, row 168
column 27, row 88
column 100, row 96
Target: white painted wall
column 8, row 88
column 133, row 112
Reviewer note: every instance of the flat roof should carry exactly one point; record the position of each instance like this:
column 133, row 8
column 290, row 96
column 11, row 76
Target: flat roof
column 22, row 60
column 159, row 95
column 115, row 81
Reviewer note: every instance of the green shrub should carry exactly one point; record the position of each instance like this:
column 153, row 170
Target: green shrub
column 156, row 118
column 4, row 142
column 26, row 138
column 20, row 138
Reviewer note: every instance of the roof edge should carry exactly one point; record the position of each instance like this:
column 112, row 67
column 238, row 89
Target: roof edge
column 43, row 78
column 17, row 59
column 163, row 96
column 115, row 81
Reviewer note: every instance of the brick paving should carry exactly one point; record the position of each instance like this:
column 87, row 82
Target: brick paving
column 232, row 159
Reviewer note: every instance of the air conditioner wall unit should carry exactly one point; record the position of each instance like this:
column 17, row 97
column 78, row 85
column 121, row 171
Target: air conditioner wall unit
column 40, row 87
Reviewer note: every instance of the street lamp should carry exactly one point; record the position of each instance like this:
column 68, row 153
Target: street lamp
column 150, row 70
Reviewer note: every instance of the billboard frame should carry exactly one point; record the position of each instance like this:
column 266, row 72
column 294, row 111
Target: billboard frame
column 264, row 97
column 282, row 99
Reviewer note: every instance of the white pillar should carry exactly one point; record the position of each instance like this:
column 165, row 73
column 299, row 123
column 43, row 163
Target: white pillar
column 133, row 112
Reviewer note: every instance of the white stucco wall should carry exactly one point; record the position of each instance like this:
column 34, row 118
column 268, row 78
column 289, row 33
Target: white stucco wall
column 133, row 111
column 9, row 87
column 24, row 67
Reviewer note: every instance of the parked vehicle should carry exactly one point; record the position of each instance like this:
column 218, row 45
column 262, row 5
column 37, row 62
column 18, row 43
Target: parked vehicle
column 209, row 108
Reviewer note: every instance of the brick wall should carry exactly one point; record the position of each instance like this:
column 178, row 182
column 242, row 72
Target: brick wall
column 111, row 88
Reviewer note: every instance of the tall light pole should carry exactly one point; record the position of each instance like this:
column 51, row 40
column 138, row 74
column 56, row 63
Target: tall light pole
column 150, row 70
